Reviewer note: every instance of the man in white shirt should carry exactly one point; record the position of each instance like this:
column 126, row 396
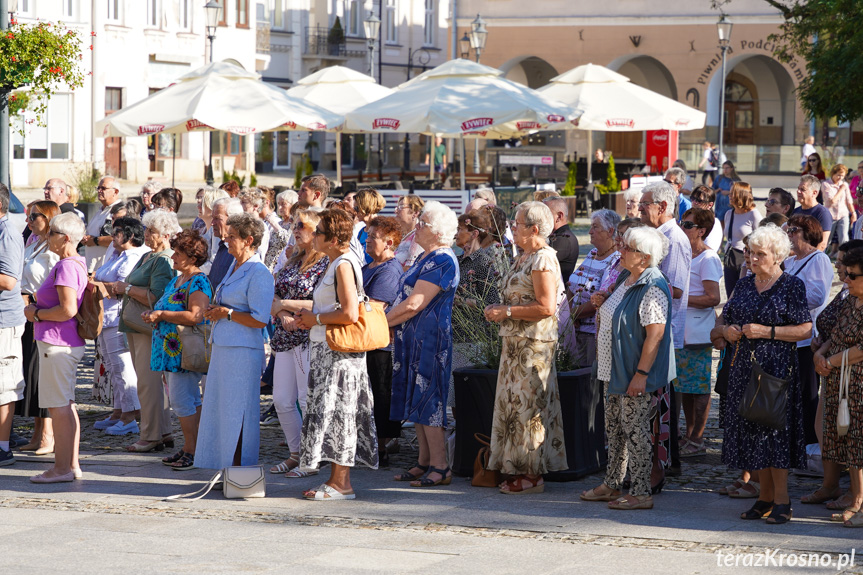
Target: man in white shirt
column 657, row 211
column 703, row 198
column 95, row 243
column 808, row 150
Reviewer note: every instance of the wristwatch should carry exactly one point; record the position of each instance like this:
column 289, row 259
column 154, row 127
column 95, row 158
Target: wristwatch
column 36, row 316
column 230, row 313
column 128, row 288
column 509, row 311
column 318, row 319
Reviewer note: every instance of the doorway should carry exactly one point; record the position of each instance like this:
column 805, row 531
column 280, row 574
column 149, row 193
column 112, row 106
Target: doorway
column 113, row 146
column 741, row 107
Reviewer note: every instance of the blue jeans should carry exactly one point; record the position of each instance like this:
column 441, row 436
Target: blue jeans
column 185, row 391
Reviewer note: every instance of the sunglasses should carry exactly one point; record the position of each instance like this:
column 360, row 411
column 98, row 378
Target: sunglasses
column 688, row 225
column 319, row 232
column 771, row 202
column 34, row 216
column 299, row 225
column 103, row 188
column 852, row 276
column 700, row 201
column 792, row 230
column 55, row 233
column 813, row 161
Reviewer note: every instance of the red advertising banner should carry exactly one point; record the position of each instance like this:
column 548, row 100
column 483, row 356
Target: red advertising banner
column 661, row 149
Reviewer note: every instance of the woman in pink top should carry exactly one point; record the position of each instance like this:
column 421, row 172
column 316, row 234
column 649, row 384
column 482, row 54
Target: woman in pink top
column 837, row 199
column 60, row 347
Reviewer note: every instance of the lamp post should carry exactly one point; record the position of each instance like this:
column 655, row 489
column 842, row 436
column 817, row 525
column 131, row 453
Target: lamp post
column 424, row 57
column 372, row 26
column 478, row 36
column 723, row 28
column 464, row 46
column 212, row 11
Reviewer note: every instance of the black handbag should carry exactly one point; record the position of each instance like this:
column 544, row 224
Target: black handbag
column 765, row 400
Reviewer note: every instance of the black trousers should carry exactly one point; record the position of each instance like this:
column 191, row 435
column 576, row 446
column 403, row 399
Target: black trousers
column 380, row 367
column 808, row 391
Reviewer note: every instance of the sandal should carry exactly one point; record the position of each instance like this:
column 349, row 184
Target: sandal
column 845, row 515
column 514, row 485
column 692, row 449
column 173, row 458
column 327, row 493
column 185, row 463
column 146, row 447
column 288, row 464
column 408, row 476
column 855, row 520
column 818, row 496
column 729, row 488
column 625, row 504
column 758, row 510
column 840, row 503
column 593, row 495
column 749, row 490
column 781, row 514
column 426, row 482
column 297, row 473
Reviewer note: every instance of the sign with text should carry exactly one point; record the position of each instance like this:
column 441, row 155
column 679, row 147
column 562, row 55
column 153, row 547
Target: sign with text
column 526, row 160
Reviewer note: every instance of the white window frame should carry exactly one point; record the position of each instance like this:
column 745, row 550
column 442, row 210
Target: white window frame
column 153, row 17
column 391, row 22
column 430, row 23
column 353, row 24
column 278, row 18
column 25, row 7
column 68, row 8
column 113, row 10
column 49, row 123
column 184, row 7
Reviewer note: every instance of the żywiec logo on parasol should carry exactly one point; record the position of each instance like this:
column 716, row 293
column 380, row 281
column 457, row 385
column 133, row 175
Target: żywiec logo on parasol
column 620, row 122
column 682, row 122
column 390, row 123
column 317, row 126
column 555, row 118
column 476, row 124
column 193, row 125
column 241, row 129
column 290, row 125
column 528, row 126
column 150, row 129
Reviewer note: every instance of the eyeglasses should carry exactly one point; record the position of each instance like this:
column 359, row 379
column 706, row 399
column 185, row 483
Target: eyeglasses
column 645, row 204
column 669, row 182
column 299, row 225
column 813, row 161
column 792, row 230
column 688, row 225
column 102, row 188
column 55, row 232
column 771, row 202
column 34, row 216
column 422, row 224
column 699, row 200
column 852, row 276
column 319, row 232
column 626, row 248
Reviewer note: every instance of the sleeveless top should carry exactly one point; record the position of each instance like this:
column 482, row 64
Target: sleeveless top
column 325, row 298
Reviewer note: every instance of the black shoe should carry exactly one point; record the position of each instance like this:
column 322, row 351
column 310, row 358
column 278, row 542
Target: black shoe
column 266, row 390
column 16, row 440
column 6, row 457
column 781, row 514
column 673, row 471
column 657, row 489
column 758, row 510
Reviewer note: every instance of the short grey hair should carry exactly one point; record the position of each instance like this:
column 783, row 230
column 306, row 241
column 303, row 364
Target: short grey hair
column 247, row 225
column 631, row 194
column 486, row 194
column 152, row 186
column 289, row 196
column 662, row 192
column 676, row 174
column 537, row 214
column 607, row 218
column 649, row 241
column 163, row 222
column 771, row 237
column 811, row 183
column 441, row 220
column 558, row 203
column 69, row 224
column 232, row 206
column 211, row 196
column 252, row 196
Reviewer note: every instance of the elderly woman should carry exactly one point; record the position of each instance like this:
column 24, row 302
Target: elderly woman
column 148, row 190
column 38, row 261
column 838, row 199
column 408, row 212
column 128, row 250
column 695, row 360
column 253, row 201
column 368, row 203
column 764, row 319
column 210, row 197
column 844, row 336
column 740, row 220
column 812, row 266
column 477, row 263
column 279, row 236
column 60, row 347
column 422, row 358
column 527, row 429
column 294, row 284
column 284, row 200
column 183, row 303
column 586, row 279
column 632, row 197
column 229, row 433
column 339, row 424
column 381, row 282
column 145, row 284
column 635, row 359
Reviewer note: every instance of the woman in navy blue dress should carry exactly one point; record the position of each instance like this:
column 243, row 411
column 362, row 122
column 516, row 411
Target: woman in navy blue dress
column 766, row 316
column 422, row 360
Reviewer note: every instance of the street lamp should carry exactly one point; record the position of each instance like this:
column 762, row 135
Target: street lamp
column 423, row 56
column 212, row 11
column 478, row 36
column 372, row 25
column 464, row 46
column 723, row 28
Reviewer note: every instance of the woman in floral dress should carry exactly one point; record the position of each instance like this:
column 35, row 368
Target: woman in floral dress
column 527, row 428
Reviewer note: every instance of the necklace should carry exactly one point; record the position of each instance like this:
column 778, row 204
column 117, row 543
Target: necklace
column 768, row 280
column 603, row 255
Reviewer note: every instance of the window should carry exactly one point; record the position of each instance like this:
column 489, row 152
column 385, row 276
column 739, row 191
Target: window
column 49, row 142
column 277, row 16
column 114, row 10
column 354, row 18
column 113, row 99
column 242, row 13
column 184, row 16
column 153, row 13
column 25, row 7
column 68, row 8
column 430, row 23
column 223, row 21
column 391, row 22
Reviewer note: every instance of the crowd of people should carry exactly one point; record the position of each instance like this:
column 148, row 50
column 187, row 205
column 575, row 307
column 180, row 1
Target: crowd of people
column 263, row 281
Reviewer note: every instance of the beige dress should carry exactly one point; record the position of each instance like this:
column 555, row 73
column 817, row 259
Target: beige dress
column 527, row 429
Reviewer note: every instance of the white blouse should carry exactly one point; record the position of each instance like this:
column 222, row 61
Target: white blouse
column 38, row 261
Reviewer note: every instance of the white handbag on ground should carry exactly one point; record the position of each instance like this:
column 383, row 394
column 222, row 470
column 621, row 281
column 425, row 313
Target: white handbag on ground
column 699, row 322
column 238, row 483
column 843, row 416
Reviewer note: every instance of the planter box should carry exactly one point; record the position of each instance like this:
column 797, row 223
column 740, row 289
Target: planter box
column 91, row 210
column 614, row 202
column 583, row 412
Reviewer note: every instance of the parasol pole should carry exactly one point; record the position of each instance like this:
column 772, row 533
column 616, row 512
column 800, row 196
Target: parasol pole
column 461, row 162
column 338, row 158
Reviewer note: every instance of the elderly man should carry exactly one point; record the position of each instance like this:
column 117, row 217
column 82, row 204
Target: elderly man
column 475, row 204
column 57, row 191
column 98, row 239
column 313, row 191
column 562, row 239
column 677, row 177
column 222, row 261
column 807, row 195
column 656, row 207
column 483, row 192
column 148, row 190
column 11, row 324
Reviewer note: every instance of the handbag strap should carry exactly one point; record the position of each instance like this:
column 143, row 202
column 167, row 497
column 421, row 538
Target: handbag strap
column 800, row 269
column 189, row 287
column 844, row 375
column 203, row 491
column 361, row 293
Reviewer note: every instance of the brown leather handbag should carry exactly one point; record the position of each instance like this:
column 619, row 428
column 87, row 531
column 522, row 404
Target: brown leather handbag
column 482, row 476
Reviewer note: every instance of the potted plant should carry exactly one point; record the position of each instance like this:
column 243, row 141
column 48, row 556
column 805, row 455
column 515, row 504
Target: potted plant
column 311, row 147
column 611, row 196
column 336, row 38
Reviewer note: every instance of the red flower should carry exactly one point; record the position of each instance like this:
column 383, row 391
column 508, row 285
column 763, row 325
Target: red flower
column 91, row 34
column 10, row 35
column 91, row 46
column 14, row 59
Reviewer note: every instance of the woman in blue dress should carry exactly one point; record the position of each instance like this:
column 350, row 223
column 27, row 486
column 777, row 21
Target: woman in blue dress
column 422, row 361
column 765, row 318
column 229, row 433
column 185, row 299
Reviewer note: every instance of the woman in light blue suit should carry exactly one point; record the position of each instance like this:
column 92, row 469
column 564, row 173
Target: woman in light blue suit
column 229, row 433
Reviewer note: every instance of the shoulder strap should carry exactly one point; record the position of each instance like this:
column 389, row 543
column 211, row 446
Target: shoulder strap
column 361, row 293
column 189, row 287
column 805, row 263
column 203, row 491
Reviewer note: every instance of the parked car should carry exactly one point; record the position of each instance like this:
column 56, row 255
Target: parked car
column 17, row 213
